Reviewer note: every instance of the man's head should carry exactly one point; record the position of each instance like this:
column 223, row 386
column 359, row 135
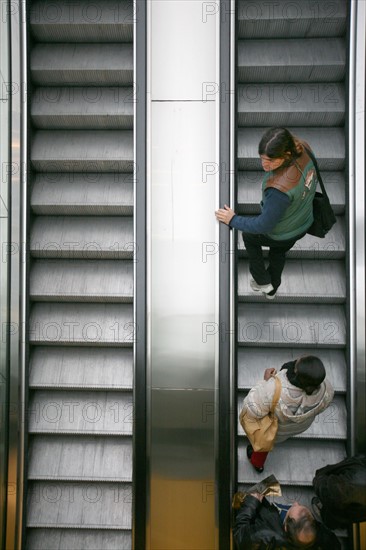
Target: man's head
column 300, row 526
column 309, row 372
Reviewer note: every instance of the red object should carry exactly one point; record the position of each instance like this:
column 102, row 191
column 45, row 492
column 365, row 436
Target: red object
column 258, row 459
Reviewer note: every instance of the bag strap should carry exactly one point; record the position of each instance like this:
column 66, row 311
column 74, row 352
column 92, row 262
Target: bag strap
column 315, row 162
column 277, row 394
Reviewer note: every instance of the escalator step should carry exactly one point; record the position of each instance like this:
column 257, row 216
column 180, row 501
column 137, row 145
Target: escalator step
column 289, row 325
column 84, row 459
column 250, row 191
column 79, row 505
column 330, row 424
column 83, row 108
column 82, row 237
column 83, row 194
column 291, row 104
column 82, row 324
column 80, row 368
column 291, row 60
column 283, row 19
column 82, row 151
column 81, row 412
column 300, row 470
column 302, row 281
column 66, row 539
column 253, row 362
column 81, row 21
column 82, row 281
column 82, row 64
column 328, row 145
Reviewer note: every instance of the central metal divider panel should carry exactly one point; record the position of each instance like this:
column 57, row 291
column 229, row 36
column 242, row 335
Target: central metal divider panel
column 182, row 187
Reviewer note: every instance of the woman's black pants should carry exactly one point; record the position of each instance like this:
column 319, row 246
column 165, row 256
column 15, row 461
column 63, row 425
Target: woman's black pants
column 276, row 257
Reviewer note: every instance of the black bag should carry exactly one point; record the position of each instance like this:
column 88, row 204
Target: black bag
column 324, row 217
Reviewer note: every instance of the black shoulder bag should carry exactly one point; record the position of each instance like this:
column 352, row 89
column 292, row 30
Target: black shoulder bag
column 324, row 217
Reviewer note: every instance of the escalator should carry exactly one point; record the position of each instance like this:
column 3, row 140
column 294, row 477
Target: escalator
column 291, row 67
column 81, row 330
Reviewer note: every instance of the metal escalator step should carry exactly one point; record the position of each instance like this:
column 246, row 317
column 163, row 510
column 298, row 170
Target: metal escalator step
column 82, row 64
column 82, row 281
column 302, row 281
column 328, row 145
column 82, row 459
column 330, row 424
column 82, row 324
column 291, row 104
column 65, row 539
column 81, row 412
column 82, row 194
column 83, row 108
column 82, row 237
column 332, row 247
column 70, row 21
column 292, row 60
column 252, row 363
column 250, row 191
column 81, row 505
column 300, row 470
column 283, row 19
column 286, row 325
column 82, row 151
column 80, row 368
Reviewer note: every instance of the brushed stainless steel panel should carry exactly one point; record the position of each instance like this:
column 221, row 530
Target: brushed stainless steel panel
column 181, row 203
column 15, row 15
column 183, row 278
column 356, row 226
column 190, row 30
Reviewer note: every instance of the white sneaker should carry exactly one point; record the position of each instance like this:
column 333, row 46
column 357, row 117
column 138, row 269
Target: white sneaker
column 271, row 296
column 260, row 288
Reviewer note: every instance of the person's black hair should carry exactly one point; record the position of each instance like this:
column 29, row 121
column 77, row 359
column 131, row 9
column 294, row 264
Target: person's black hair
column 278, row 143
column 310, row 373
column 306, row 523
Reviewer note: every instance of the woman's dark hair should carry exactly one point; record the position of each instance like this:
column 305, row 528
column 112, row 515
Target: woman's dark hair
column 278, row 143
column 310, row 372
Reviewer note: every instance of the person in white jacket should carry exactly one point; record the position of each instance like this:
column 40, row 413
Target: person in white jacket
column 305, row 393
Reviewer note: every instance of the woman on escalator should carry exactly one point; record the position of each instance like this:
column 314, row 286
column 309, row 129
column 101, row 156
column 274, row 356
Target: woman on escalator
column 288, row 190
column 305, row 393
